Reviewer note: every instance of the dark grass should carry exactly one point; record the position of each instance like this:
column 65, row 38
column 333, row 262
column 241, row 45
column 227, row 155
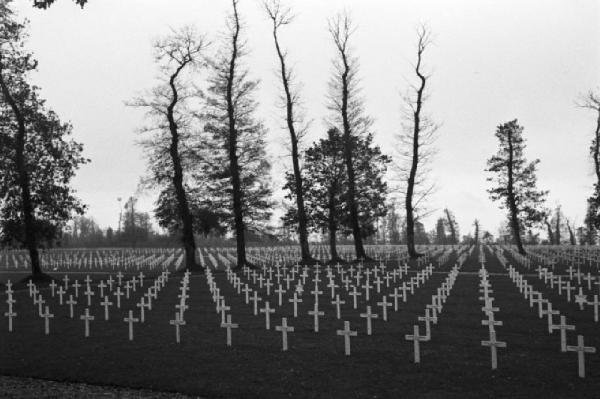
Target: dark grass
column 454, row 364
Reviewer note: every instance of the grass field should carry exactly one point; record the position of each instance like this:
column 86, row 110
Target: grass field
column 453, row 363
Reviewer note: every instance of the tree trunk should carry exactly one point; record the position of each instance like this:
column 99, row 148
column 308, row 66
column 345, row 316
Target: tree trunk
column 233, row 157
column 451, row 226
column 512, row 205
column 332, row 226
column 289, row 102
column 550, row 233
column 557, row 230
column 23, row 180
column 410, row 219
column 348, row 151
column 182, row 204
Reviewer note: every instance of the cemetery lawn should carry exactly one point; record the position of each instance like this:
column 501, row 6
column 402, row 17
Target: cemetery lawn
column 453, row 363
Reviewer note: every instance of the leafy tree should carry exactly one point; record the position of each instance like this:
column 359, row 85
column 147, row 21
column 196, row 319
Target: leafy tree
column 240, row 180
column 440, row 232
column 327, row 186
column 44, row 4
column 38, row 158
column 515, row 181
column 205, row 220
column 171, row 147
column 452, row 226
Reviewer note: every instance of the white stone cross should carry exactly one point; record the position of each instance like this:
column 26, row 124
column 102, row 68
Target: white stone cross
column 177, row 323
column 89, row 293
column 549, row 312
column 71, row 302
column 295, row 301
column 10, row 314
column 255, row 299
column 86, row 317
column 316, row 313
column 53, row 288
column 280, row 291
column 102, row 286
column 229, row 325
column 267, row 311
column 563, row 327
column 60, row 292
column 347, row 333
column 355, row 294
column 384, row 305
column 106, row 303
column 494, row 345
column 284, row 328
column 130, row 320
column 118, row 293
column 369, row 316
column 427, row 319
column 581, row 350
column 337, row 304
column 581, row 299
column 490, row 322
column 416, row 338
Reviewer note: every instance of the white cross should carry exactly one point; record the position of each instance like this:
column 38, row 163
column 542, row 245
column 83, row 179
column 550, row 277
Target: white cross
column 106, row 303
column 177, row 322
column 563, row 327
column 87, row 318
column 284, row 328
column 369, row 316
column 316, row 313
column 267, row 311
column 229, row 325
column 347, row 333
column 71, row 302
column 130, row 320
column 295, row 301
column 416, row 338
column 581, row 350
column 337, row 304
column 494, row 344
column 384, row 305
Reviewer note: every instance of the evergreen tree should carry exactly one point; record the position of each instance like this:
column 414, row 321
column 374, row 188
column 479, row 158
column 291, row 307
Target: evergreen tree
column 440, row 232
column 240, row 172
column 327, row 186
column 515, row 181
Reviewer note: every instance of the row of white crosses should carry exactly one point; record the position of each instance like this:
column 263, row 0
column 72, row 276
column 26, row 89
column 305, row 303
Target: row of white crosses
column 289, row 275
column 535, row 297
column 10, row 301
column 431, row 313
column 580, row 298
column 181, row 306
column 220, row 306
column 485, row 288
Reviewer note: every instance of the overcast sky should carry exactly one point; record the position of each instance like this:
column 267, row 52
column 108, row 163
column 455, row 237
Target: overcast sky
column 492, row 61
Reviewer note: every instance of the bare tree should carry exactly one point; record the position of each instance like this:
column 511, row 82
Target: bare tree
column 347, row 112
column 591, row 101
column 280, row 17
column 167, row 104
column 416, row 145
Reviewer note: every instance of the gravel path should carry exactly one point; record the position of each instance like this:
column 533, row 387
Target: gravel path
column 28, row 388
